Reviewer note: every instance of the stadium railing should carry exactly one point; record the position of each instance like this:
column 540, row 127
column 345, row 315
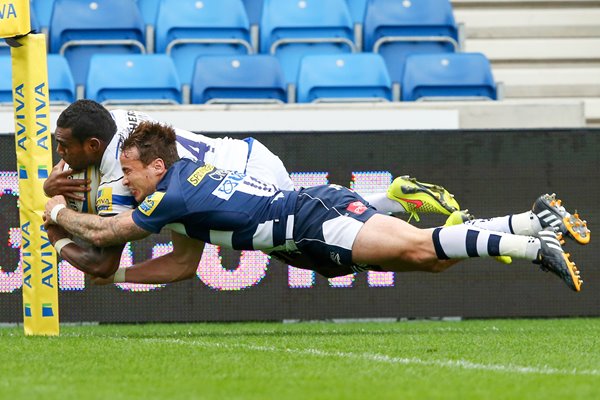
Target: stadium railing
column 81, row 29
column 291, row 29
column 188, row 29
column 396, row 29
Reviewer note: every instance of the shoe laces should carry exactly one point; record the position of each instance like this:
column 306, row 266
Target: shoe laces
column 413, row 214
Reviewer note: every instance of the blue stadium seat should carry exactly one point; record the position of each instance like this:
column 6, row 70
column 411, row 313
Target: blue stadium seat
column 43, row 12
column 396, row 28
column 149, row 10
column 133, row 79
column 291, row 29
column 187, row 29
column 82, row 28
column 254, row 10
column 60, row 81
column 357, row 10
column 454, row 76
column 5, row 79
column 4, row 49
column 238, row 79
column 343, row 77
column 34, row 19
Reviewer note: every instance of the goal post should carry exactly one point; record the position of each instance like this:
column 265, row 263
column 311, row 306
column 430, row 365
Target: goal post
column 34, row 161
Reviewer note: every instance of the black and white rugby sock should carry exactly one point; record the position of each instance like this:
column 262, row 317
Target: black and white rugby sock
column 464, row 241
column 526, row 223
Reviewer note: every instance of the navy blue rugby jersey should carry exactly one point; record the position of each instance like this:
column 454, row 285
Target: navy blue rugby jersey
column 221, row 207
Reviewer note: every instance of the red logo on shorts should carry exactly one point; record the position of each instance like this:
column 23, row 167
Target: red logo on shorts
column 357, row 207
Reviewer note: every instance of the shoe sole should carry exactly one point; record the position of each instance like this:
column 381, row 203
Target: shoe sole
column 575, row 279
column 574, row 227
column 548, row 259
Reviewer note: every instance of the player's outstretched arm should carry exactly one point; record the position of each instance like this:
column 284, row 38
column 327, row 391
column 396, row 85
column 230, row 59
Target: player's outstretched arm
column 99, row 231
column 60, row 183
column 95, row 261
column 179, row 265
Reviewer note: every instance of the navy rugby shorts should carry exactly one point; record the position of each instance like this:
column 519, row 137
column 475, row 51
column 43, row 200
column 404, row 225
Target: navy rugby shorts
column 326, row 221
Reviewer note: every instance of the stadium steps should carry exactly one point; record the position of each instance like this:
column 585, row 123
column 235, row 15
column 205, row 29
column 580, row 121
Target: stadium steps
column 489, row 23
column 457, row 4
column 581, row 84
column 563, row 51
column 549, row 82
column 592, row 112
column 539, row 49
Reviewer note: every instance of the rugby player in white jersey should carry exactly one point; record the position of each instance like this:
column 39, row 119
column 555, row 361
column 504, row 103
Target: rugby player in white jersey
column 89, row 138
column 326, row 228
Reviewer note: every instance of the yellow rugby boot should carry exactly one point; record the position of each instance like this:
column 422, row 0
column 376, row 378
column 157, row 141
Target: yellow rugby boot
column 418, row 197
column 458, row 217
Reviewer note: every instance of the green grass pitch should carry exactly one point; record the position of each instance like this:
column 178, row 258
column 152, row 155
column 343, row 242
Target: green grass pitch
column 481, row 359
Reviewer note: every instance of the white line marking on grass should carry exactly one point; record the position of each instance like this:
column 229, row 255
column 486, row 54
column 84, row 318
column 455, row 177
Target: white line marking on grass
column 382, row 358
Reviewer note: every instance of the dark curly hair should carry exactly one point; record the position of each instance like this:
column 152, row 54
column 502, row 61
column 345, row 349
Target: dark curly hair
column 88, row 119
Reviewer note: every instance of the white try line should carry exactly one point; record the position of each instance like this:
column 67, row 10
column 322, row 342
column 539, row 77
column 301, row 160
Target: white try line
column 382, row 358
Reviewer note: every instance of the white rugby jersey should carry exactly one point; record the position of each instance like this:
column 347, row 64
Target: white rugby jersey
column 113, row 197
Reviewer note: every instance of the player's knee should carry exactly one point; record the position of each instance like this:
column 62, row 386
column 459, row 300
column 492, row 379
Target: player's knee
column 433, row 266
column 438, row 267
column 424, row 260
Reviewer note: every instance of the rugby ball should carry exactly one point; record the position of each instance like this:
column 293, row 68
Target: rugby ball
column 89, row 205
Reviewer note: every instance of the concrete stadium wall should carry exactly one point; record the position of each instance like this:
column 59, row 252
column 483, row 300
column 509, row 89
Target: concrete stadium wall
column 508, row 114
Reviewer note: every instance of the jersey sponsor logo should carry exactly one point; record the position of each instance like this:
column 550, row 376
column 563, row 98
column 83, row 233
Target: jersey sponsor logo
column 218, row 175
column 104, row 201
column 357, row 207
column 150, row 203
column 196, row 177
column 228, row 186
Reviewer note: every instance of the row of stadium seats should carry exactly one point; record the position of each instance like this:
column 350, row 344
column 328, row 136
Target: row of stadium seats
column 149, row 9
column 152, row 78
column 288, row 29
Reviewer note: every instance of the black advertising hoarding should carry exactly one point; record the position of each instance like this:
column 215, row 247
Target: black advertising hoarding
column 491, row 173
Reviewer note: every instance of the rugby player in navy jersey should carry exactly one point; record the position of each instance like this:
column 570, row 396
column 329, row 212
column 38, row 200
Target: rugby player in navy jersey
column 328, row 228
column 89, row 137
